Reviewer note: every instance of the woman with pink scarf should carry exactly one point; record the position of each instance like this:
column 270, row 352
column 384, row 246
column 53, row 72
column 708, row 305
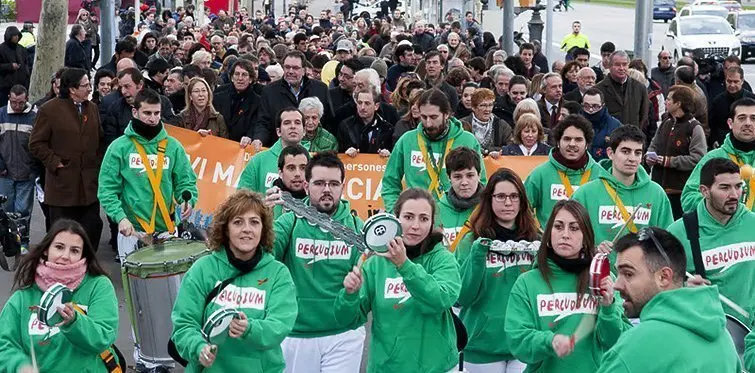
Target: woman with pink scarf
column 89, row 323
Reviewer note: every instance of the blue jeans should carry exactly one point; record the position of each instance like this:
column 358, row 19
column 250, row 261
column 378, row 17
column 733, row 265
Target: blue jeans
column 20, row 198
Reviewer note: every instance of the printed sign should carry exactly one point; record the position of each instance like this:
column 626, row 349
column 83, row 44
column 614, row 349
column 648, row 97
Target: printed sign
column 241, row 297
column 317, row 250
column 565, row 304
column 558, row 191
column 612, row 215
column 507, row 261
column 135, row 161
column 726, row 256
column 395, row 289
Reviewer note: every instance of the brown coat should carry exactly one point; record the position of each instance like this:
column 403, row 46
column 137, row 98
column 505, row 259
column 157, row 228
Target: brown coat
column 630, row 108
column 62, row 136
column 215, row 123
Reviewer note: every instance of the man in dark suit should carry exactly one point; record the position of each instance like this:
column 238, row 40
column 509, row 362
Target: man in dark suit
column 550, row 104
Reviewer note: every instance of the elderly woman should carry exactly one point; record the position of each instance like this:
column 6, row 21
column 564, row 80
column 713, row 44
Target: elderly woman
column 86, row 20
column 199, row 114
column 244, row 275
column 490, row 131
column 316, row 139
column 677, row 146
column 202, row 58
column 528, row 137
column 275, row 72
column 527, row 105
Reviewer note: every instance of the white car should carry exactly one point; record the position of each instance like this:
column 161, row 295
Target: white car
column 701, row 35
column 704, row 10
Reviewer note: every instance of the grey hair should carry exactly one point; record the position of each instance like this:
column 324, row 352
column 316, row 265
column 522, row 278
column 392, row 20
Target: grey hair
column 200, row 55
column 500, row 53
column 618, row 53
column 372, row 77
column 312, row 103
column 544, row 82
column 500, row 70
column 528, row 105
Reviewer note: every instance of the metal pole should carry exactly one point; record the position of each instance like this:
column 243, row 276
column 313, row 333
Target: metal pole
column 508, row 27
column 641, row 31
column 137, row 15
column 107, row 13
column 548, row 45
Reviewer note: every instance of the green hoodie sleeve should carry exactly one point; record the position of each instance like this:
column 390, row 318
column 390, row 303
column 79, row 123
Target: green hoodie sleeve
column 394, row 175
column 283, row 228
column 526, row 342
column 184, row 178
column 532, row 187
column 611, row 323
column 12, row 353
column 250, row 177
column 352, row 309
column 665, row 215
column 110, row 183
column 187, row 315
column 436, row 291
column 98, row 329
column 749, row 355
column 280, row 315
column 612, row 362
column 471, row 256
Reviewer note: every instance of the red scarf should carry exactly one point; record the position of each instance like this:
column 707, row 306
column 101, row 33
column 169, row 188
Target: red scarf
column 70, row 275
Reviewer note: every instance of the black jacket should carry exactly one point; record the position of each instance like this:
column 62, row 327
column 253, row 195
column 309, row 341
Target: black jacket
column 574, row 96
column 353, row 133
column 514, row 149
column 240, row 110
column 78, row 54
column 450, row 92
column 119, row 115
column 110, row 66
column 349, row 109
column 425, row 40
column 178, row 101
column 503, row 108
column 11, row 53
column 277, row 96
column 338, row 98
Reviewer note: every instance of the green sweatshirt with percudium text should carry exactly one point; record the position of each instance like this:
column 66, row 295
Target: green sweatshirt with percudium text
column 261, row 170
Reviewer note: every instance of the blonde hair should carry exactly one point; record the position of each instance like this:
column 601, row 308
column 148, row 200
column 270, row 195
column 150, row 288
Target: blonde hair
column 527, row 120
column 194, row 81
column 237, row 204
column 527, row 105
column 537, row 80
column 638, row 76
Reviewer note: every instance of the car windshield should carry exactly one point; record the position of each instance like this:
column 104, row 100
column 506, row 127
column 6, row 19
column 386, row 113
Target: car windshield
column 711, row 12
column 663, row 3
column 706, row 27
column 746, row 22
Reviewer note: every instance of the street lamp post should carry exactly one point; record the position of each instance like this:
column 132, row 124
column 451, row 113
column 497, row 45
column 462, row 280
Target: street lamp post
column 536, row 24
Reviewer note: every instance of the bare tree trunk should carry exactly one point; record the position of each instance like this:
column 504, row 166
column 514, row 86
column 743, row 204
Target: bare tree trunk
column 51, row 45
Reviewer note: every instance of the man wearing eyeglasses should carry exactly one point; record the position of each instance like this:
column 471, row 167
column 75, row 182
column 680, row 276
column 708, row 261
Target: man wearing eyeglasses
column 318, row 263
column 663, row 74
column 681, row 328
column 611, row 200
column 585, row 81
column 719, row 249
column 603, row 123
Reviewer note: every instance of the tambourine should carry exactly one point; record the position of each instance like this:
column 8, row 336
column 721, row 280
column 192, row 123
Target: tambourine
column 600, row 268
column 56, row 296
column 379, row 230
column 511, row 247
column 215, row 329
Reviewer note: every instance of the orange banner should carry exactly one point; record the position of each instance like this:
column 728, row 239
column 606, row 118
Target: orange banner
column 218, row 164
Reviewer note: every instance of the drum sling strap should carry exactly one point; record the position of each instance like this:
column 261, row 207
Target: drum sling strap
column 692, row 228
column 155, row 178
column 434, row 169
column 112, row 365
column 625, row 215
column 567, row 184
column 172, row 350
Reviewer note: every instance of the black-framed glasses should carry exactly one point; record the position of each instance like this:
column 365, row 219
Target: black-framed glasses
column 647, row 234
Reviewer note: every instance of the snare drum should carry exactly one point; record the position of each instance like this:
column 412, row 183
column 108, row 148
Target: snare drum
column 55, row 296
column 738, row 331
column 600, row 268
column 379, row 230
column 151, row 279
column 215, row 329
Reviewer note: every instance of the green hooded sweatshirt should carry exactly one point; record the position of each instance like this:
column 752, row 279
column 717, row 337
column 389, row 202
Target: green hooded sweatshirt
column 606, row 218
column 74, row 347
column 749, row 355
column 261, row 170
column 318, row 264
column 124, row 188
column 537, row 312
column 265, row 295
column 451, row 219
column 728, row 253
column 691, row 195
column 407, row 165
column 544, row 187
column 486, row 282
column 412, row 326
column 680, row 331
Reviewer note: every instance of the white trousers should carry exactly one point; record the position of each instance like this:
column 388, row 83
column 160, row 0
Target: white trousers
column 338, row 353
column 510, row 366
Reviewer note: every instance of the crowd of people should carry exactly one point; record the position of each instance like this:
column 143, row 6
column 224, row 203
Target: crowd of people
column 434, row 101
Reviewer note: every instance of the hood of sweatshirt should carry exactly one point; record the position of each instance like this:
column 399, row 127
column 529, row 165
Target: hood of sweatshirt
column 696, row 309
column 641, row 179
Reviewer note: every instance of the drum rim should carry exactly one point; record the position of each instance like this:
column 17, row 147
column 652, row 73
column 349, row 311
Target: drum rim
column 168, row 263
column 217, row 315
column 47, row 298
column 375, row 219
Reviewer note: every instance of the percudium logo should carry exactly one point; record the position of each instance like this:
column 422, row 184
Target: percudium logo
column 612, row 215
column 565, row 304
column 558, row 191
column 507, row 261
column 726, row 256
column 241, row 297
column 317, row 250
column 270, row 178
column 135, row 161
column 419, row 161
column 396, row 289
column 37, row 328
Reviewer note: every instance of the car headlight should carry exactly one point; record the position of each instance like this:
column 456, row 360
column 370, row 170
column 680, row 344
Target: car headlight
column 735, row 51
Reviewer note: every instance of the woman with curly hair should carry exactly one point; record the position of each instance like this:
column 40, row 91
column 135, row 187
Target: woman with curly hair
column 400, row 96
column 257, row 286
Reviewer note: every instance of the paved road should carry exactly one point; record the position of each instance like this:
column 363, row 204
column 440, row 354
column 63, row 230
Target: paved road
column 600, row 23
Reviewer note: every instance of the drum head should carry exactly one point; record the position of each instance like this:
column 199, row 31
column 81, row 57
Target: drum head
column 56, row 296
column 173, row 256
column 738, row 331
column 379, row 230
column 215, row 329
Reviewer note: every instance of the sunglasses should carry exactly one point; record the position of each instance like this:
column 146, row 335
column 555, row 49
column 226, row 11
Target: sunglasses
column 647, row 234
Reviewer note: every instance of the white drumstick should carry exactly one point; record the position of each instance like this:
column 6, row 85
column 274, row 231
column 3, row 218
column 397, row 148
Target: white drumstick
column 33, row 354
column 727, row 301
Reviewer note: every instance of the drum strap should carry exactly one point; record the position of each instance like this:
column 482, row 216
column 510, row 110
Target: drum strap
column 462, row 232
column 692, row 228
column 434, row 168
column 567, row 185
column 751, row 189
column 107, row 356
column 625, row 215
column 155, row 178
